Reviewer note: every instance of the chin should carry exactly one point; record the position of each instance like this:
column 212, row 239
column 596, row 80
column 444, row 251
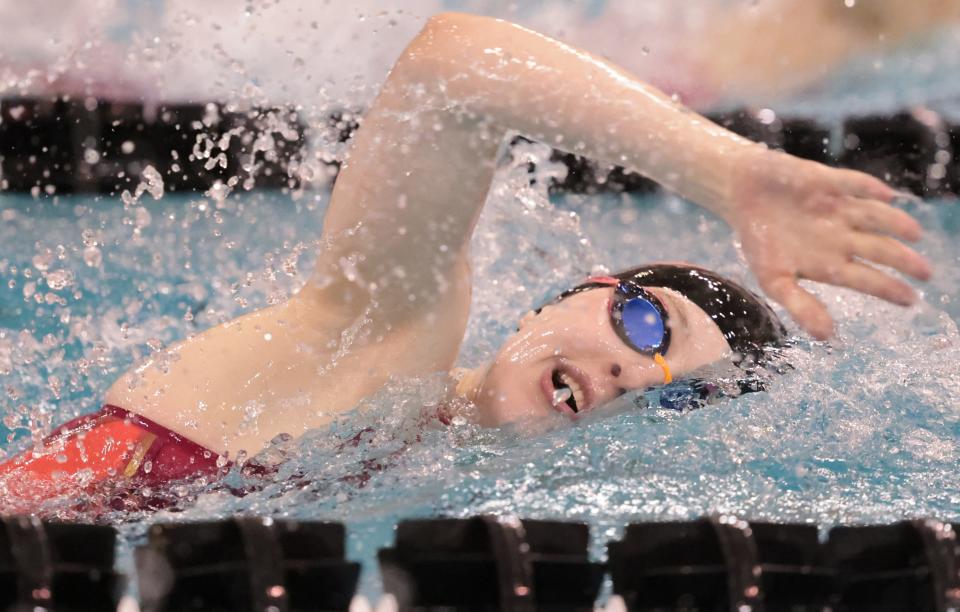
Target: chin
column 498, row 404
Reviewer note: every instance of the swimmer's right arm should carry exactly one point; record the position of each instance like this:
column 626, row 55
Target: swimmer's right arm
column 404, row 207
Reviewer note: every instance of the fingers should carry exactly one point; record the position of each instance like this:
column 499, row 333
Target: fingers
column 881, row 218
column 865, row 279
column 805, row 309
column 889, row 252
column 865, row 186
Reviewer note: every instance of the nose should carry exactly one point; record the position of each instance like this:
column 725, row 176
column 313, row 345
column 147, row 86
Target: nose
column 611, row 380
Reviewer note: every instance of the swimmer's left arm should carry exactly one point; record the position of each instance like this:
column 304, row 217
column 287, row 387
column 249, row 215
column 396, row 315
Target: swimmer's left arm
column 405, row 205
column 408, row 196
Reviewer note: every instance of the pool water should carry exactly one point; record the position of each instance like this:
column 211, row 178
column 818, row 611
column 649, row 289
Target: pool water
column 863, row 429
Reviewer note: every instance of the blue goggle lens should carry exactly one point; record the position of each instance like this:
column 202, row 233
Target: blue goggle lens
column 642, row 323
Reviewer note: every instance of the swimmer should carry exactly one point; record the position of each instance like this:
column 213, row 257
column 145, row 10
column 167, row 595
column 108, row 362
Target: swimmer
column 390, row 295
column 767, row 51
column 718, row 54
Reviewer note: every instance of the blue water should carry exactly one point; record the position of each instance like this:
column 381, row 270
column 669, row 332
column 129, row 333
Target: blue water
column 865, row 429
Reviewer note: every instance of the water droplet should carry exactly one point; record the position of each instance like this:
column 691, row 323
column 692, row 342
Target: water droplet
column 142, row 218
column 59, row 279
column 42, row 260
column 92, row 256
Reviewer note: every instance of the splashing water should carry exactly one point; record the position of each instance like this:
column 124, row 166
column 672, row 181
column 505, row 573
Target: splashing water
column 151, row 182
column 865, row 428
column 862, row 429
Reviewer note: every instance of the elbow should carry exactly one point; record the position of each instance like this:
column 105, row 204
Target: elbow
column 452, row 36
column 438, row 51
column 450, row 23
column 447, row 60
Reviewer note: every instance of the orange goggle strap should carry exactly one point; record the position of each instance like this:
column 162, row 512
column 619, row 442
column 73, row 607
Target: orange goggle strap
column 660, row 361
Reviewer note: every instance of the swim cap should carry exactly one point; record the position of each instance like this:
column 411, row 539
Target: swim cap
column 746, row 321
column 744, row 318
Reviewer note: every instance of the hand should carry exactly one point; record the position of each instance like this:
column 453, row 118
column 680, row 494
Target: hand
column 798, row 219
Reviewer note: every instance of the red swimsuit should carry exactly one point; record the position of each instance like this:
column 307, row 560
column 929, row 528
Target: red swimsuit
column 109, row 446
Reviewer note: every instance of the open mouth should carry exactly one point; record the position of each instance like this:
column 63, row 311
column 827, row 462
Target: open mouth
column 567, row 390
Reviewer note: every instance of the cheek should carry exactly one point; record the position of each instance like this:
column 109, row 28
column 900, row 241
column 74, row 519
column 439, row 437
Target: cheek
column 492, row 390
column 502, row 398
column 703, row 349
column 527, row 347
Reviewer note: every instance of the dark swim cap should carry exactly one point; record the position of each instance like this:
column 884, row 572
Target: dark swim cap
column 746, row 321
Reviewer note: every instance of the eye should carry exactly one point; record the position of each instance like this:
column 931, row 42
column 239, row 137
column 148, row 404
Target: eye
column 676, row 319
column 642, row 322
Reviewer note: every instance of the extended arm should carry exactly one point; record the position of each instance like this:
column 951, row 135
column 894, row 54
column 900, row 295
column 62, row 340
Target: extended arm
column 404, row 207
column 766, row 47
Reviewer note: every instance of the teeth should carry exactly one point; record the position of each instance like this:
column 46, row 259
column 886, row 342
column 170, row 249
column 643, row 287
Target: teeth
column 575, row 388
column 561, row 395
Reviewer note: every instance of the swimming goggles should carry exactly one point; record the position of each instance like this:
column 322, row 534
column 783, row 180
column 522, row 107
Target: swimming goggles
column 638, row 317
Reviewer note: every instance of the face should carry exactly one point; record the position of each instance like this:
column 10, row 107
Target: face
column 572, row 345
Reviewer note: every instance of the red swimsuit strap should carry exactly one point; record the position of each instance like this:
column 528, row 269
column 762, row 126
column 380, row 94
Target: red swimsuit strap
column 160, row 431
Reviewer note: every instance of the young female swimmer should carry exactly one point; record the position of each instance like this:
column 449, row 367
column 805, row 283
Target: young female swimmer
column 391, row 291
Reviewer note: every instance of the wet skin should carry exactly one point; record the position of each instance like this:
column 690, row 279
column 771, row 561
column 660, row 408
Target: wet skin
column 573, row 344
column 391, row 293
